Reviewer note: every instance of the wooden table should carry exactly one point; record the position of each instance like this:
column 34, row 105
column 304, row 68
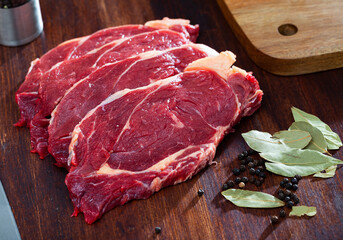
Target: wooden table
column 36, row 189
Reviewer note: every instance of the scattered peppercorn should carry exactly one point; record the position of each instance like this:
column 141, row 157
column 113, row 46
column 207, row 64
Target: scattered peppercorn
column 287, row 199
column 296, row 200
column 294, row 180
column 158, row 230
column 257, row 171
column 261, row 179
column 245, row 179
column 292, row 195
column 260, row 168
column 249, row 159
column 251, row 152
column 252, row 171
column 236, row 171
column 242, row 168
column 289, row 186
column 241, row 156
column 281, row 195
column 255, row 162
column 298, row 177
column 225, row 187
column 230, row 183
column 245, row 153
column 274, row 219
column 200, row 192
column 280, row 191
column 251, row 165
column 287, row 192
column 282, row 184
column 258, row 183
column 289, row 204
column 295, row 187
column 241, row 185
column 285, row 180
column 262, row 175
column 244, row 162
column 282, row 213
column 238, row 180
column 252, row 179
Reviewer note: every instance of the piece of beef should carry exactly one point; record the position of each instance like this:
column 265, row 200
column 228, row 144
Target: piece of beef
column 138, row 141
column 130, row 73
column 56, row 82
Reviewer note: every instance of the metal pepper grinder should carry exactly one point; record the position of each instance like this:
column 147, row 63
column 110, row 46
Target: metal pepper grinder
column 20, row 22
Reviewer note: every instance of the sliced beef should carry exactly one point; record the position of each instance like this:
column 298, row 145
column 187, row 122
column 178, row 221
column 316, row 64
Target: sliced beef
column 130, row 73
column 55, row 83
column 27, row 96
column 138, row 141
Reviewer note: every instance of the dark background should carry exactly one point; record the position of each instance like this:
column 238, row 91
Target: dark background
column 36, row 189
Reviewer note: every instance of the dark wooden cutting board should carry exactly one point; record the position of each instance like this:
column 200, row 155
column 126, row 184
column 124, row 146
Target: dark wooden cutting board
column 36, row 189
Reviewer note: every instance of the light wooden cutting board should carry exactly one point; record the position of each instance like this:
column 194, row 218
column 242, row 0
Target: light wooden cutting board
column 289, row 37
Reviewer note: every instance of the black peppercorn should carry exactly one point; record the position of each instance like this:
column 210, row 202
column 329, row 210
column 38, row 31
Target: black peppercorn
column 289, row 186
column 249, row 159
column 245, row 179
column 281, row 195
column 294, row 180
column 245, row 153
column 274, row 219
column 298, row 177
column 295, row 187
column 225, row 187
column 251, row 152
column 241, row 156
column 261, row 179
column 257, row 171
column 236, row 171
column 251, row 165
column 285, row 180
column 242, row 168
column 230, row 184
column 200, row 192
column 282, row 184
column 260, row 168
column 238, row 180
column 287, row 199
column 289, row 204
column 252, row 179
column 262, row 175
column 255, row 162
column 258, row 183
column 158, row 230
column 296, row 200
column 244, row 162
column 282, row 213
column 287, row 192
column 252, row 171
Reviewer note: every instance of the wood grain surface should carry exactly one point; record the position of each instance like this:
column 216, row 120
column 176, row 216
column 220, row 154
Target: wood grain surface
column 315, row 44
column 36, row 189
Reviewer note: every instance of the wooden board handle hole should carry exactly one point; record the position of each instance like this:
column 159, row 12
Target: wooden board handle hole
column 287, row 29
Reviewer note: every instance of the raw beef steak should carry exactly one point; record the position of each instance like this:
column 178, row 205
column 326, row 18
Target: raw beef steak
column 55, row 82
column 130, row 73
column 138, row 141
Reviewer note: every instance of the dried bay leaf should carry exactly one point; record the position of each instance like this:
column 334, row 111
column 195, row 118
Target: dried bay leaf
column 303, row 210
column 295, row 161
column 294, row 138
column 263, row 142
column 252, row 199
column 318, row 142
column 329, row 172
column 332, row 139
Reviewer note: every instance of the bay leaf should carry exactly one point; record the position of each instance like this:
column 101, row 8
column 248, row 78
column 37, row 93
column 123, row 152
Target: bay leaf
column 332, row 139
column 318, row 141
column 295, row 161
column 294, row 138
column 329, row 172
column 303, row 210
column 252, row 199
column 263, row 142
